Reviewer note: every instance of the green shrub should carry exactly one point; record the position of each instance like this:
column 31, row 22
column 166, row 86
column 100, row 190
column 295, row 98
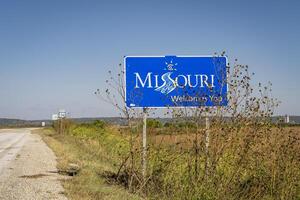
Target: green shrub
column 154, row 123
column 99, row 124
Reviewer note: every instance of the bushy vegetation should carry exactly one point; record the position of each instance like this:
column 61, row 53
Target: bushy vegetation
column 242, row 155
column 154, row 123
column 98, row 151
column 246, row 161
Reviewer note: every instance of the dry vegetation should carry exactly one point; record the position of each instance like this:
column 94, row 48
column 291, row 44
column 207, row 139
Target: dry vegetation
column 243, row 164
column 83, row 146
column 250, row 162
column 242, row 156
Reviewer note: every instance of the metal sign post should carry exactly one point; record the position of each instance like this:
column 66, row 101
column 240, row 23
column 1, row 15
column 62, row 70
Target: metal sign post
column 61, row 115
column 207, row 132
column 144, row 138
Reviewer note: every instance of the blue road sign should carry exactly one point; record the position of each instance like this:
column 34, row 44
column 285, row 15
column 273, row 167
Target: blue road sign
column 175, row 81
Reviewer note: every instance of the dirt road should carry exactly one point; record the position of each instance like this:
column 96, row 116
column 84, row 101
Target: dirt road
column 27, row 167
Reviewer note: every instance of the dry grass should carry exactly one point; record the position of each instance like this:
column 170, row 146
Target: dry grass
column 245, row 163
column 250, row 162
column 185, row 140
column 93, row 160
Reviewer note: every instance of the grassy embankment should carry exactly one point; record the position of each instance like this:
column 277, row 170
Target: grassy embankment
column 244, row 163
column 96, row 151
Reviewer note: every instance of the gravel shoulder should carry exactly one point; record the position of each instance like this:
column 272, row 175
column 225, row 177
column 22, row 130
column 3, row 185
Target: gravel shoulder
column 27, row 167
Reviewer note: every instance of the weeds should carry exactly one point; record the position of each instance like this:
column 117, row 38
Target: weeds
column 95, row 152
column 244, row 156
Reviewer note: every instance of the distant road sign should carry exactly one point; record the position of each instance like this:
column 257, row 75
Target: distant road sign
column 55, row 117
column 171, row 81
column 62, row 114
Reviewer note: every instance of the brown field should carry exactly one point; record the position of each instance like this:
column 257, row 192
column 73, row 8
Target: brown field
column 186, row 140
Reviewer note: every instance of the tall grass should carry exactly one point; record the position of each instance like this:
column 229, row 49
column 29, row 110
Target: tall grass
column 242, row 156
column 249, row 161
column 253, row 161
column 98, row 152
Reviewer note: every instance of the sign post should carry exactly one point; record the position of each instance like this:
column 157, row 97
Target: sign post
column 174, row 81
column 61, row 115
column 144, row 156
column 207, row 126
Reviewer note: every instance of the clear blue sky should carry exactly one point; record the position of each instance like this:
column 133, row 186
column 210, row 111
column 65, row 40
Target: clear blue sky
column 55, row 53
